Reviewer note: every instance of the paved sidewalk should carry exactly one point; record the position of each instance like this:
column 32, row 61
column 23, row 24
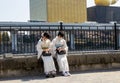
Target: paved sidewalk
column 101, row 76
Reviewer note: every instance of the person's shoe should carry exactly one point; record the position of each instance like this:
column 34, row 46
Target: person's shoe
column 64, row 74
column 47, row 76
column 53, row 75
column 68, row 74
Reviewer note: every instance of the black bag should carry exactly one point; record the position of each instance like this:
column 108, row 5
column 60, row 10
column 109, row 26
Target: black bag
column 46, row 53
column 61, row 52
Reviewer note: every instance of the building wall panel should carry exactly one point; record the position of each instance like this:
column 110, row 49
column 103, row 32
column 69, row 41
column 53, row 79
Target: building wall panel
column 66, row 10
column 38, row 10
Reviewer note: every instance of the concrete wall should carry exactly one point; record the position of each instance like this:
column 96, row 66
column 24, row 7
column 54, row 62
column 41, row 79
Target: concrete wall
column 21, row 65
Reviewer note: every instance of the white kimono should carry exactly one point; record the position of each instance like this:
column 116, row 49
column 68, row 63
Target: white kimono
column 61, row 59
column 47, row 60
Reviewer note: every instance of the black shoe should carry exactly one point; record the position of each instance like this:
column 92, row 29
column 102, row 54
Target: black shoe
column 53, row 75
column 47, row 76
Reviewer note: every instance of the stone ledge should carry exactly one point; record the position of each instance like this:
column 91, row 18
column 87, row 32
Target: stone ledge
column 21, row 65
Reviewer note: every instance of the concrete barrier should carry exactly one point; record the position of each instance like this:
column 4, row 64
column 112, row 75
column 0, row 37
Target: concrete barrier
column 21, row 64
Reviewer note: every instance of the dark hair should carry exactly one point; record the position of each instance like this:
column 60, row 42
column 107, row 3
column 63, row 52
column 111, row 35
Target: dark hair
column 46, row 35
column 60, row 34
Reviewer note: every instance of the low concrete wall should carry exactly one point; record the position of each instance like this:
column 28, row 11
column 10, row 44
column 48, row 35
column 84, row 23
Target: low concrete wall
column 21, row 65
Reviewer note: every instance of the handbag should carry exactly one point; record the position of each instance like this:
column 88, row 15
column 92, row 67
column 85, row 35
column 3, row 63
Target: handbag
column 61, row 52
column 46, row 53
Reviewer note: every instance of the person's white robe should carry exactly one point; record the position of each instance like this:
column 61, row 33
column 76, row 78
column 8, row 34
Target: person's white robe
column 47, row 60
column 61, row 59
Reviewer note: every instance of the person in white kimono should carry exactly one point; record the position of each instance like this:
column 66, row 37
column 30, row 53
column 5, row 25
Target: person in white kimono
column 44, row 52
column 60, row 48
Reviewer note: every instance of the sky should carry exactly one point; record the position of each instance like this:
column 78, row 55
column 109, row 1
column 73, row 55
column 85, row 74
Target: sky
column 18, row 10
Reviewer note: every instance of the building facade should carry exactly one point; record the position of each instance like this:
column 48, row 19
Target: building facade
column 103, row 14
column 69, row 11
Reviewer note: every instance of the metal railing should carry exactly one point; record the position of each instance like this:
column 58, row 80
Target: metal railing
column 23, row 37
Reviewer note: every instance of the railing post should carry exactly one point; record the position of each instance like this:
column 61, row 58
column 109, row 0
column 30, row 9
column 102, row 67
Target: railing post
column 14, row 41
column 116, row 36
column 61, row 25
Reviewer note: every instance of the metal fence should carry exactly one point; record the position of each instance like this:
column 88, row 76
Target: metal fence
column 23, row 37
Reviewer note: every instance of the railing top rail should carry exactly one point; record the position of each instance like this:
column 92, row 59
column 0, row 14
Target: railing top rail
column 45, row 25
column 24, row 24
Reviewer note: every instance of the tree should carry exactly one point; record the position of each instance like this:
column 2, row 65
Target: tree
column 5, row 37
column 0, row 37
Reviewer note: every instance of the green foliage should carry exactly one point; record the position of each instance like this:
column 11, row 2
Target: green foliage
column 5, row 37
column 0, row 37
